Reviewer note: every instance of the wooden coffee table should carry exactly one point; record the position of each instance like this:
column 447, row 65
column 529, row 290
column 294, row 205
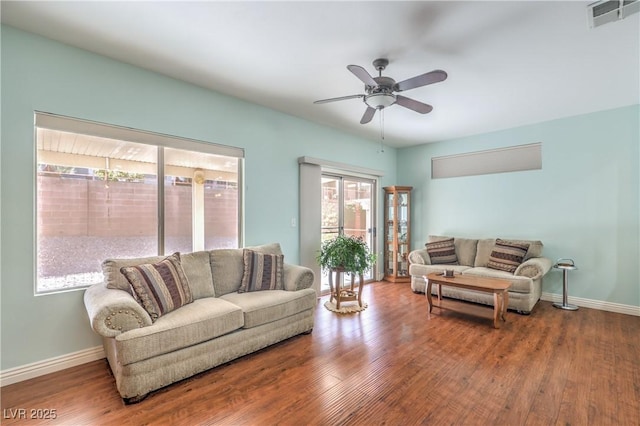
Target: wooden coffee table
column 499, row 288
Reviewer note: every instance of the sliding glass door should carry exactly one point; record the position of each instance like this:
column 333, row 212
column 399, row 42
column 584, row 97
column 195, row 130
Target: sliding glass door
column 348, row 209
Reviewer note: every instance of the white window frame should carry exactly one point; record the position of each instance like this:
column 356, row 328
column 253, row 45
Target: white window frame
column 45, row 120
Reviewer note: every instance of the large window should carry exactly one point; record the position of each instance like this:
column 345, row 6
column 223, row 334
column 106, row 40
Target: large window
column 109, row 192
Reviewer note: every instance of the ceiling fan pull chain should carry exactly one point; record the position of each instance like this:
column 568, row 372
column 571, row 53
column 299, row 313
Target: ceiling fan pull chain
column 381, row 129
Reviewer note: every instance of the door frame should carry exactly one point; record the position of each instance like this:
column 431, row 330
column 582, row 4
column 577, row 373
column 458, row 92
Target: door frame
column 372, row 233
column 310, row 197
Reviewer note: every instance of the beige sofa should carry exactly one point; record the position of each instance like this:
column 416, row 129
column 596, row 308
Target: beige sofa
column 473, row 257
column 220, row 324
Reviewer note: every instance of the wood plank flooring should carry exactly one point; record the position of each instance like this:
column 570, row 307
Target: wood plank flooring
column 386, row 365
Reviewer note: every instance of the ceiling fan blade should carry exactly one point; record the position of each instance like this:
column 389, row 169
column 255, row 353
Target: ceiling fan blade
column 342, row 98
column 363, row 75
column 421, row 80
column 412, row 104
column 368, row 115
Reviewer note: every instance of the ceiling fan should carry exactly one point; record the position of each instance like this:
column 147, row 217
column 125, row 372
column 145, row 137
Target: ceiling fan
column 380, row 90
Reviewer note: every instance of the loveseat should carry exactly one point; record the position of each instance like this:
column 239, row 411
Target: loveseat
column 152, row 340
column 519, row 261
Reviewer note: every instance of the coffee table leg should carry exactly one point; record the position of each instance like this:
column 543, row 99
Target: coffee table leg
column 428, row 292
column 497, row 309
column 505, row 304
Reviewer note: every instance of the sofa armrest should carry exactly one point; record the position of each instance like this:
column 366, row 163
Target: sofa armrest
column 112, row 312
column 534, row 268
column 297, row 277
column 420, row 256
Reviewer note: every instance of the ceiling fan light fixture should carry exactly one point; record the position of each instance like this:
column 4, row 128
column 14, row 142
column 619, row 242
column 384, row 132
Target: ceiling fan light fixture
column 380, row 100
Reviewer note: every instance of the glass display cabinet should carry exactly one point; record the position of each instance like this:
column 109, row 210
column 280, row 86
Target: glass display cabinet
column 397, row 233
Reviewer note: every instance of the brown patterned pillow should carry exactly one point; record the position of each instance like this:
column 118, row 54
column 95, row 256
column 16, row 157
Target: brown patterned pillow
column 160, row 287
column 262, row 271
column 442, row 252
column 507, row 255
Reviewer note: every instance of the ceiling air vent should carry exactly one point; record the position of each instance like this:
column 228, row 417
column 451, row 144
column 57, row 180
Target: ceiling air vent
column 604, row 11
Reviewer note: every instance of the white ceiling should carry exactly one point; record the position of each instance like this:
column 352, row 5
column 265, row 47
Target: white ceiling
column 509, row 63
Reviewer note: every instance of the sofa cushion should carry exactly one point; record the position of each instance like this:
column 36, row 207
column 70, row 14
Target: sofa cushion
column 507, row 255
column 161, row 287
column 197, row 322
column 227, row 267
column 115, row 279
column 262, row 307
column 483, row 251
column 261, row 271
column 442, row 252
column 197, row 268
column 486, row 246
column 465, row 248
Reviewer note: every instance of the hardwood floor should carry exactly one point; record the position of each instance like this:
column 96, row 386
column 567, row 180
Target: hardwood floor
column 386, row 365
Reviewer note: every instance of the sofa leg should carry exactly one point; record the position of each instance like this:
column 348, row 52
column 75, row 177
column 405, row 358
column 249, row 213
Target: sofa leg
column 524, row 312
column 307, row 332
column 134, row 399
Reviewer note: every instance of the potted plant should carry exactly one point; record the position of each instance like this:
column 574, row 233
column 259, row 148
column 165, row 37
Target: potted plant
column 346, row 253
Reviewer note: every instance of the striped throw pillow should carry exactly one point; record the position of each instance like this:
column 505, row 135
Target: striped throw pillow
column 507, row 255
column 442, row 252
column 261, row 271
column 160, row 287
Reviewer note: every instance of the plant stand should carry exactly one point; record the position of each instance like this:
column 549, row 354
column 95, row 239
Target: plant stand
column 348, row 293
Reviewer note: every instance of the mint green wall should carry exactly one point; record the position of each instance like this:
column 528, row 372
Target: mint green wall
column 583, row 204
column 39, row 74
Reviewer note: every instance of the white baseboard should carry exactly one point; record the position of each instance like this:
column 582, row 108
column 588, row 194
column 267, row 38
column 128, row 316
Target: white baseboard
column 51, row 365
column 594, row 304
